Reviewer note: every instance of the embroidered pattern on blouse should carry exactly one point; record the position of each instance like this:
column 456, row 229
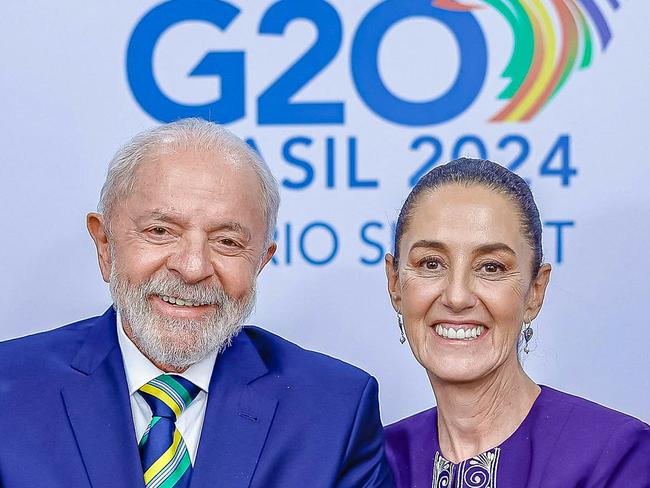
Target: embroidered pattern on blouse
column 477, row 472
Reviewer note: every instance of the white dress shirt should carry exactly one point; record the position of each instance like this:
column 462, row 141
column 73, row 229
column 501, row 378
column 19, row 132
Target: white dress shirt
column 139, row 371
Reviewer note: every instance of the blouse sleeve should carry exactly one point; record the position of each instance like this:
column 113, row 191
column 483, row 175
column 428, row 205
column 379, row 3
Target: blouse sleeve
column 625, row 461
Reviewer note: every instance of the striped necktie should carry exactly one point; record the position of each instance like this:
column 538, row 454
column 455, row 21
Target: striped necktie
column 165, row 460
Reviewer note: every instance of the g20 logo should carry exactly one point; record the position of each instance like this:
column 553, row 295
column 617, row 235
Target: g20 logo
column 536, row 74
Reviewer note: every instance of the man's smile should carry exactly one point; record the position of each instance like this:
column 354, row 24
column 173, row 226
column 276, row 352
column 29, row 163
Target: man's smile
column 183, row 302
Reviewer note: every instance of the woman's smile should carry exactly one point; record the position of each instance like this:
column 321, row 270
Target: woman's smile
column 459, row 332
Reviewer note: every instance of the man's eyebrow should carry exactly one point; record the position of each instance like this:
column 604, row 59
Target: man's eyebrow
column 174, row 217
column 167, row 216
column 235, row 227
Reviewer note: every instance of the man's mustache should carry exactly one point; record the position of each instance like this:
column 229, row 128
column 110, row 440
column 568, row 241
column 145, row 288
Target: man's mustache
column 174, row 287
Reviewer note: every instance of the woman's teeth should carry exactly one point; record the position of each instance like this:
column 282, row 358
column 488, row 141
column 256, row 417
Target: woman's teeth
column 466, row 334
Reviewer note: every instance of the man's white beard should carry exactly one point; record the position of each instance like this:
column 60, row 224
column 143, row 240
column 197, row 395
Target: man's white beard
column 178, row 342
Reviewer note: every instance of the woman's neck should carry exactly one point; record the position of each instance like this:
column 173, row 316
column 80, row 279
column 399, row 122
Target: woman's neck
column 477, row 416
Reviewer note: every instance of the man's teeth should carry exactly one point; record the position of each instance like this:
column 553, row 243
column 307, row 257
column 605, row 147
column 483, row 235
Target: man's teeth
column 181, row 302
column 466, row 334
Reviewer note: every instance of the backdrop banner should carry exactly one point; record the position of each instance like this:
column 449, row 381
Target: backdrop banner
column 349, row 102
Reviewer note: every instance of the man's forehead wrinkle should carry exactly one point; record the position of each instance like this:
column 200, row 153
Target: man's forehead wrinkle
column 173, row 146
column 218, row 159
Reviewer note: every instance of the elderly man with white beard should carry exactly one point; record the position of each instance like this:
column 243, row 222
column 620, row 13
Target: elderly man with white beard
column 167, row 388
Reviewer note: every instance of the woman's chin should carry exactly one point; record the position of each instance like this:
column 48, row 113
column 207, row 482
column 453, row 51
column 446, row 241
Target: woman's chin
column 457, row 368
column 457, row 376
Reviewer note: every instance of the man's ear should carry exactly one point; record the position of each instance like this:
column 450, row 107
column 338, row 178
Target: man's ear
column 97, row 229
column 537, row 291
column 267, row 256
column 393, row 283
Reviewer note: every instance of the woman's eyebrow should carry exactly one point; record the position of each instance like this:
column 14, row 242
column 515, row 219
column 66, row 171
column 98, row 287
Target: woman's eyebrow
column 482, row 249
column 494, row 247
column 429, row 244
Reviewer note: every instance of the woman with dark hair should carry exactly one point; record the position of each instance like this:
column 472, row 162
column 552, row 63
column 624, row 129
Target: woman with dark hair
column 466, row 273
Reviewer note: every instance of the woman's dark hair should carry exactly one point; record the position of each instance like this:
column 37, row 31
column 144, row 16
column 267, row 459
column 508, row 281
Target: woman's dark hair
column 468, row 172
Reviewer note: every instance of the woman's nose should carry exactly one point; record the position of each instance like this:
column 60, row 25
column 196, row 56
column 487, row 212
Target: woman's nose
column 458, row 294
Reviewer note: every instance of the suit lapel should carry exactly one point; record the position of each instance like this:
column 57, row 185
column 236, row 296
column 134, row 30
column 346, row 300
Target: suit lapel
column 97, row 403
column 237, row 418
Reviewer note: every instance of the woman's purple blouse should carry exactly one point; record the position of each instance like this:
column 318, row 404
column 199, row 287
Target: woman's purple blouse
column 563, row 442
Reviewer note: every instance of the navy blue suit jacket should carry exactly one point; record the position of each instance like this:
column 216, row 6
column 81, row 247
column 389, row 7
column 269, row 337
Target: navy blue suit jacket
column 277, row 415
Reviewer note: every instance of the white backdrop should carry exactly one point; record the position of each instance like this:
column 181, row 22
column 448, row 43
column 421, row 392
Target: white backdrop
column 68, row 102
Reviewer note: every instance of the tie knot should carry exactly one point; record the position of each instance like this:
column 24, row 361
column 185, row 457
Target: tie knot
column 169, row 395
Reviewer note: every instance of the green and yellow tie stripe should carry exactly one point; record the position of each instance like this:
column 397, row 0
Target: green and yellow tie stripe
column 165, row 459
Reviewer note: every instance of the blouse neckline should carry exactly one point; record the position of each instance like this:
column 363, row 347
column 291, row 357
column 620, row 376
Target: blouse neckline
column 493, row 451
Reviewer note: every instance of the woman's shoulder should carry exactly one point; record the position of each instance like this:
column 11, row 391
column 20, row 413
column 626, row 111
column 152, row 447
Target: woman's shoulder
column 410, row 447
column 579, row 421
column 413, row 434
column 579, row 436
column 583, row 413
column 420, row 423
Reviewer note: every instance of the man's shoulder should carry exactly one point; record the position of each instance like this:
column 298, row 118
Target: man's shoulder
column 300, row 365
column 56, row 346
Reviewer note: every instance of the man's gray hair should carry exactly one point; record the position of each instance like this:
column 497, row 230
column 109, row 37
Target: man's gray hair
column 183, row 135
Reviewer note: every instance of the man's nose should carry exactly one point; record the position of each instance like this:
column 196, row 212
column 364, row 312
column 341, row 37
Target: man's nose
column 458, row 294
column 192, row 260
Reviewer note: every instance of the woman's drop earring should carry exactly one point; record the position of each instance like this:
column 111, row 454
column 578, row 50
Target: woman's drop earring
column 527, row 333
column 400, row 322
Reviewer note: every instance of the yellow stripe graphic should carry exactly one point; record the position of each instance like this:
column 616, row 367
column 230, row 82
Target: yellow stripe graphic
column 547, row 46
column 162, row 396
column 164, row 459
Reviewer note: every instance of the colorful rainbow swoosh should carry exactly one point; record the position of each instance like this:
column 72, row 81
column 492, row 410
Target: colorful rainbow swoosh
column 542, row 59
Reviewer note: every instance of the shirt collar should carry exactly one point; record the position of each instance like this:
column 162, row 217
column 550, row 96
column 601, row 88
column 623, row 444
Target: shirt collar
column 139, row 370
